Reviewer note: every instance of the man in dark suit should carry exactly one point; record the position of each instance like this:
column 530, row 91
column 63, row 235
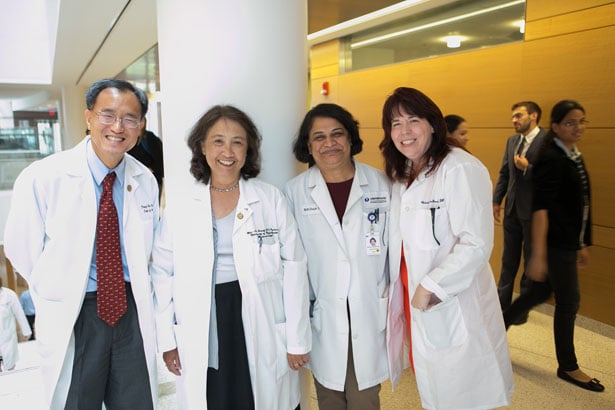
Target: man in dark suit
column 515, row 182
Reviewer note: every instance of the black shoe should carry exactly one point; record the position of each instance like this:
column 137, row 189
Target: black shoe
column 593, row 384
column 521, row 320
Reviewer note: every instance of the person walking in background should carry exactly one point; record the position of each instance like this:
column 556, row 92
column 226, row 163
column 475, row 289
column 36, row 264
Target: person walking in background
column 342, row 207
column 515, row 182
column 149, row 152
column 561, row 234
column 28, row 307
column 230, row 277
column 457, row 129
column 10, row 309
column 80, row 231
column 443, row 302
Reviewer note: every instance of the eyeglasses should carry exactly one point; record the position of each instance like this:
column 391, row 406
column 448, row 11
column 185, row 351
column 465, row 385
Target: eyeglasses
column 110, row 119
column 575, row 124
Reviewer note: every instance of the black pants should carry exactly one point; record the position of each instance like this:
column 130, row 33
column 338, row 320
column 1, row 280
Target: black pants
column 516, row 239
column 230, row 386
column 109, row 362
column 30, row 319
column 563, row 281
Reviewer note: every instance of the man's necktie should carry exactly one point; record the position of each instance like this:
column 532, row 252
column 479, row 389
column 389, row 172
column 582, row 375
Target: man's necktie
column 521, row 146
column 111, row 294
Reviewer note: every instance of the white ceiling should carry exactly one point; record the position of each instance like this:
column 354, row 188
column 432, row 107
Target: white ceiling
column 47, row 44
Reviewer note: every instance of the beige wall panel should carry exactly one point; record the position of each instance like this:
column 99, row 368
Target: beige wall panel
column 603, row 236
column 598, row 149
column 539, row 9
column 578, row 66
column 318, row 73
column 570, row 23
column 598, row 286
column 324, row 54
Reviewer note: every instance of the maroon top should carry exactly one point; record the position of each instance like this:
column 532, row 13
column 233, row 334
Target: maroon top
column 340, row 191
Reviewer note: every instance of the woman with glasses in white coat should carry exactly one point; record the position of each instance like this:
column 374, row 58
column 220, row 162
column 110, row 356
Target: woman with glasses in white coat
column 341, row 207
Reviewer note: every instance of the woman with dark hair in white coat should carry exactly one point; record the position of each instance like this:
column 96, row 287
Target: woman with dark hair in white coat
column 443, row 300
column 341, row 207
column 230, row 277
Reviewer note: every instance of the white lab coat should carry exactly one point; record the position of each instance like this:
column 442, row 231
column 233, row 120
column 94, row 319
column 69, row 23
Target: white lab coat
column 49, row 239
column 459, row 346
column 10, row 309
column 274, row 286
column 342, row 272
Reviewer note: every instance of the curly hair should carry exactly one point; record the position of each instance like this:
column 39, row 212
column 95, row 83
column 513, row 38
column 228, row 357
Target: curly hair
column 198, row 164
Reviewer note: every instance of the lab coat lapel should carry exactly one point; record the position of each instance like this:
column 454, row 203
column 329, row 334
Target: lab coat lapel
column 247, row 196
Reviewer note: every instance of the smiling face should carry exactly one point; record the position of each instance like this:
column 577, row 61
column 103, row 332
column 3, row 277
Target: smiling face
column 411, row 135
column 329, row 144
column 225, row 148
column 110, row 142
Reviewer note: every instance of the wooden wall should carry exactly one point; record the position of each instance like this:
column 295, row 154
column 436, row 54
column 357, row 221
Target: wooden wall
column 568, row 53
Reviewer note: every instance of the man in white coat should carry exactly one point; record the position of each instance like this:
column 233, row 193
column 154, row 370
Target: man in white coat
column 341, row 208
column 50, row 238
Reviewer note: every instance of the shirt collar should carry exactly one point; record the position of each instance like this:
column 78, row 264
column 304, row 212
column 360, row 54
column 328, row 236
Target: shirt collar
column 573, row 154
column 532, row 134
column 98, row 169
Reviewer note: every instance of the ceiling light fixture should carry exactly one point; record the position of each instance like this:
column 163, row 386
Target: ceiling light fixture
column 400, row 33
column 370, row 20
column 521, row 25
column 453, row 41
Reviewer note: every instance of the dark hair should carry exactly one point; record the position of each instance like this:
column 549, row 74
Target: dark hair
column 198, row 164
column 124, row 86
column 559, row 112
column 413, row 102
column 452, row 122
column 300, row 147
column 531, row 108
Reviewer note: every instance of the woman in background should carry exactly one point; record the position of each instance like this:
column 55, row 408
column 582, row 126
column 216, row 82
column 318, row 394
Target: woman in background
column 443, row 299
column 561, row 233
column 230, row 277
column 457, row 129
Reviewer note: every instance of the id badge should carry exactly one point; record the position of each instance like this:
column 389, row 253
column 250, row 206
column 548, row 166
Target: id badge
column 372, row 243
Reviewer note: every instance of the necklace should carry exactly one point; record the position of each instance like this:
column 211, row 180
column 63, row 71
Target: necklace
column 229, row 189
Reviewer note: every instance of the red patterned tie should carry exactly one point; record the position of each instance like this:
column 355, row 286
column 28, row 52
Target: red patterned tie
column 111, row 297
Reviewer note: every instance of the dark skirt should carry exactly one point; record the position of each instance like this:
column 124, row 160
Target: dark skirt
column 230, row 387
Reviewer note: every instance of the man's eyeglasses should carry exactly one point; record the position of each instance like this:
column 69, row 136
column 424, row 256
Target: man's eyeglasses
column 110, row 119
column 580, row 123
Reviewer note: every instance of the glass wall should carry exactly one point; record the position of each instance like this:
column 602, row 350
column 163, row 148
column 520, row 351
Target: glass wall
column 457, row 26
column 25, row 136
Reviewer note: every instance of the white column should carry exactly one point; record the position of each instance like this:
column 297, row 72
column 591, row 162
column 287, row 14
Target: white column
column 73, row 119
column 250, row 54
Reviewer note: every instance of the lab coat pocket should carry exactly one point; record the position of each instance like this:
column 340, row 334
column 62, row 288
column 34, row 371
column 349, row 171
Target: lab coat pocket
column 282, row 361
column 266, row 259
column 444, row 325
column 422, row 225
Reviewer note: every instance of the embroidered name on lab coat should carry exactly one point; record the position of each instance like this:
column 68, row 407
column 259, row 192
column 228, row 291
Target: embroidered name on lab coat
column 310, row 209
